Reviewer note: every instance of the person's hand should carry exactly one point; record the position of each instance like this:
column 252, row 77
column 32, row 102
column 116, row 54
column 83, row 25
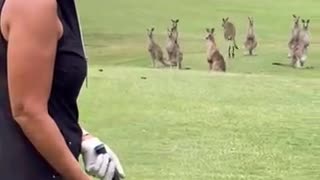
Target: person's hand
column 102, row 166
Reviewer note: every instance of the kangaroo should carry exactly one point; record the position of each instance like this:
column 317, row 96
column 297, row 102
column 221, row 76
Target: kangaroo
column 155, row 50
column 229, row 35
column 175, row 55
column 175, row 34
column 214, row 57
column 299, row 46
column 305, row 38
column 294, row 34
column 251, row 42
column 297, row 52
column 296, row 55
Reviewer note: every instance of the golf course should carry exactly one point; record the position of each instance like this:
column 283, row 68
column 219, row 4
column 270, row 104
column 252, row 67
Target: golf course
column 256, row 121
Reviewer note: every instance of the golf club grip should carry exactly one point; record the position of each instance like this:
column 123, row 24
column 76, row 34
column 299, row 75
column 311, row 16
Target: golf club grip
column 102, row 150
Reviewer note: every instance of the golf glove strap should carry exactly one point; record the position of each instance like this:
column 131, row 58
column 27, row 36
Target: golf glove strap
column 102, row 166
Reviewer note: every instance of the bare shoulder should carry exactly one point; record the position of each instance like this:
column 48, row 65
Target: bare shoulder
column 20, row 7
column 31, row 14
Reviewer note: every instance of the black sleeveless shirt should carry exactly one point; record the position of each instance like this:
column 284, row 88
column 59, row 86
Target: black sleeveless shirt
column 19, row 160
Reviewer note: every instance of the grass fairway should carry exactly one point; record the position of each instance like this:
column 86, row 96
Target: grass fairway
column 256, row 122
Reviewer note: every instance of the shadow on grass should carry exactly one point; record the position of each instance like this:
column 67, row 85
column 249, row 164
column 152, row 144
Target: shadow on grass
column 290, row 66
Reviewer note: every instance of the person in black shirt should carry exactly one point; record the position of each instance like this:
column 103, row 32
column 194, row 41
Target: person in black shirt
column 42, row 69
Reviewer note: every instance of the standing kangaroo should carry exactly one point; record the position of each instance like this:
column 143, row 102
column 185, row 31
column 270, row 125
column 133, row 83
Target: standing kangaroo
column 294, row 34
column 175, row 56
column 214, row 57
column 251, row 42
column 298, row 44
column 229, row 35
column 305, row 38
column 155, row 50
column 297, row 53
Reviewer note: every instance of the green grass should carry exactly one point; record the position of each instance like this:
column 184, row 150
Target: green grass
column 256, row 122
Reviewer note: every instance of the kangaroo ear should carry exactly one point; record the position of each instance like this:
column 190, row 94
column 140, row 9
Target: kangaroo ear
column 212, row 30
column 227, row 18
column 172, row 20
column 177, row 20
column 308, row 20
column 152, row 29
column 303, row 20
column 294, row 16
column 223, row 20
column 208, row 30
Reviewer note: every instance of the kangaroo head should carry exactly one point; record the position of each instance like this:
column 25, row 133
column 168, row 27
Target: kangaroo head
column 150, row 32
column 209, row 35
column 250, row 21
column 296, row 20
column 305, row 24
column 224, row 21
column 174, row 23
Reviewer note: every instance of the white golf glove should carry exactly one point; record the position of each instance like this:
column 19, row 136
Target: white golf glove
column 102, row 166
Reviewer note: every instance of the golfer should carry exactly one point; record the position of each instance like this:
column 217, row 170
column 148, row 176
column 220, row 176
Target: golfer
column 42, row 68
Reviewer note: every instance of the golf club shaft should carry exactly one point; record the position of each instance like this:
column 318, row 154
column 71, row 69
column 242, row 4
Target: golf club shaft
column 83, row 44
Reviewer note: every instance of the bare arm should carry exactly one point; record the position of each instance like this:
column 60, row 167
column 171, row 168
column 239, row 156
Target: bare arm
column 86, row 135
column 32, row 29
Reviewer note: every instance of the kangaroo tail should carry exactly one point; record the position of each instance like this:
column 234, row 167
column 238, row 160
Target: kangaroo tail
column 280, row 64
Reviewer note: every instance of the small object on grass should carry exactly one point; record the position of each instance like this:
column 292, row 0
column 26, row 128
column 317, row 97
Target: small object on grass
column 143, row 77
column 100, row 70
